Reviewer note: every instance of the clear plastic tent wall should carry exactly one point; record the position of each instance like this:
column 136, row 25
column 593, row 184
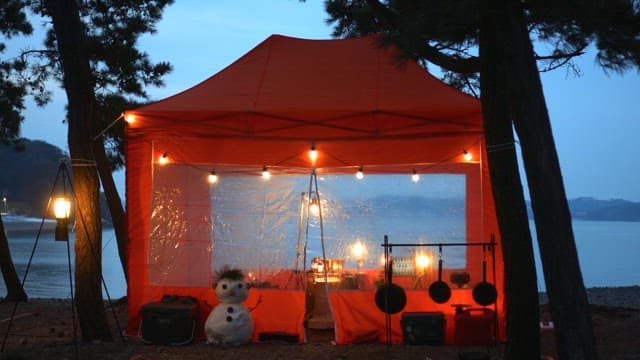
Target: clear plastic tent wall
column 269, row 228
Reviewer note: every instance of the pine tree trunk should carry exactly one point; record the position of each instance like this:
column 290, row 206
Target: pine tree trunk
column 114, row 203
column 15, row 291
column 567, row 294
column 78, row 86
column 521, row 292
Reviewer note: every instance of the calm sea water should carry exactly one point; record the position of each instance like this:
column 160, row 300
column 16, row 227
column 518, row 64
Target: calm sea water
column 48, row 275
column 608, row 253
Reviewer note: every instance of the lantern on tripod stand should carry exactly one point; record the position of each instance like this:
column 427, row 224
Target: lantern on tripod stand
column 62, row 213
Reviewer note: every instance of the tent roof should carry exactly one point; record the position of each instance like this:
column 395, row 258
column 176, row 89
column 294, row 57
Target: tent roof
column 352, row 98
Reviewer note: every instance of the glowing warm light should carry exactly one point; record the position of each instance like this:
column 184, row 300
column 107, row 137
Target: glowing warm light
column 62, row 212
column 415, row 177
column 358, row 250
column 467, row 155
column 61, row 208
column 266, row 175
column 422, row 261
column 336, row 266
column 317, row 265
column 213, row 177
column 314, row 207
column 360, row 173
column 382, row 261
column 313, row 154
column 164, row 158
column 129, row 118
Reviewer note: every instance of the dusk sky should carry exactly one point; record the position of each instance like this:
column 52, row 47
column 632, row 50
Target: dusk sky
column 595, row 117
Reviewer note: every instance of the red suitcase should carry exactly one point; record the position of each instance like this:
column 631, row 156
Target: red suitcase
column 475, row 326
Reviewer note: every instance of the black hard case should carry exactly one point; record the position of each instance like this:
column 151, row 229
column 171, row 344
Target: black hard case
column 423, row 328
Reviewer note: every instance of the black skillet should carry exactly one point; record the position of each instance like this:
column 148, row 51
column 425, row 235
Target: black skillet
column 390, row 298
column 439, row 291
column 484, row 293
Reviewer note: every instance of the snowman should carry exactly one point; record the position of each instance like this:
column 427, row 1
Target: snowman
column 230, row 322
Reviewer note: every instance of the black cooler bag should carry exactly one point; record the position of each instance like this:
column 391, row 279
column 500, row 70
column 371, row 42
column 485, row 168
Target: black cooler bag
column 171, row 321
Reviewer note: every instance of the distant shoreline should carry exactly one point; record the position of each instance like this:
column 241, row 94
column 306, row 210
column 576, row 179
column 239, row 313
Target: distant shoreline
column 21, row 225
column 17, row 225
column 615, row 296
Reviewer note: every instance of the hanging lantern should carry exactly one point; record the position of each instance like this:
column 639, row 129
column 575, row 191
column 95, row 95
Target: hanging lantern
column 314, row 207
column 359, row 251
column 62, row 213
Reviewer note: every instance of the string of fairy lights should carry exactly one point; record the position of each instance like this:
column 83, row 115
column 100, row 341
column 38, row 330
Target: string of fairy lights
column 213, row 177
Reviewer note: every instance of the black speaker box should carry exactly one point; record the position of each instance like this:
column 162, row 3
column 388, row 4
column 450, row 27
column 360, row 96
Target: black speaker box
column 171, row 321
column 423, row 328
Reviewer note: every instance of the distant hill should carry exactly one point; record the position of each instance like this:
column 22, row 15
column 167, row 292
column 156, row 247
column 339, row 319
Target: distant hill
column 27, row 173
column 587, row 208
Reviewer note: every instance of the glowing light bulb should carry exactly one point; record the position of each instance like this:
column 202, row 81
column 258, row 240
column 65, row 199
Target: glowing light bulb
column 314, row 207
column 213, row 177
column 266, row 175
column 129, row 118
column 360, row 174
column 415, row 177
column 313, row 154
column 467, row 155
column 163, row 159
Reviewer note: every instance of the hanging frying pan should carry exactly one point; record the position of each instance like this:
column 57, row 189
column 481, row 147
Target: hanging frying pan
column 484, row 293
column 390, row 298
column 439, row 291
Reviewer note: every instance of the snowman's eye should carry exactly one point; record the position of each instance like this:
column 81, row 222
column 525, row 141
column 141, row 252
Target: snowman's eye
column 239, row 286
column 224, row 286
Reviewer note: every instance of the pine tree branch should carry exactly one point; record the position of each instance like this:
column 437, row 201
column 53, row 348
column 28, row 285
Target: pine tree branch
column 559, row 58
column 428, row 52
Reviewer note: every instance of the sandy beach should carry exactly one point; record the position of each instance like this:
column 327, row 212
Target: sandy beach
column 43, row 329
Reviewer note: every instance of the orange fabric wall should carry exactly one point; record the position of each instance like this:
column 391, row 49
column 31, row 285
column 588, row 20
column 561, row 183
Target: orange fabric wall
column 138, row 200
column 358, row 319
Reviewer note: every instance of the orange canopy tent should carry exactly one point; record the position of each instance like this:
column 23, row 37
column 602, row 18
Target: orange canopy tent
column 351, row 99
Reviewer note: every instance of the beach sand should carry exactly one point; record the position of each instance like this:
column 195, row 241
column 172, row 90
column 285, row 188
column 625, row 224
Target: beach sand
column 43, row 329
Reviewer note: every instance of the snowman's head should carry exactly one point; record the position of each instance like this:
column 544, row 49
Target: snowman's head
column 230, row 287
